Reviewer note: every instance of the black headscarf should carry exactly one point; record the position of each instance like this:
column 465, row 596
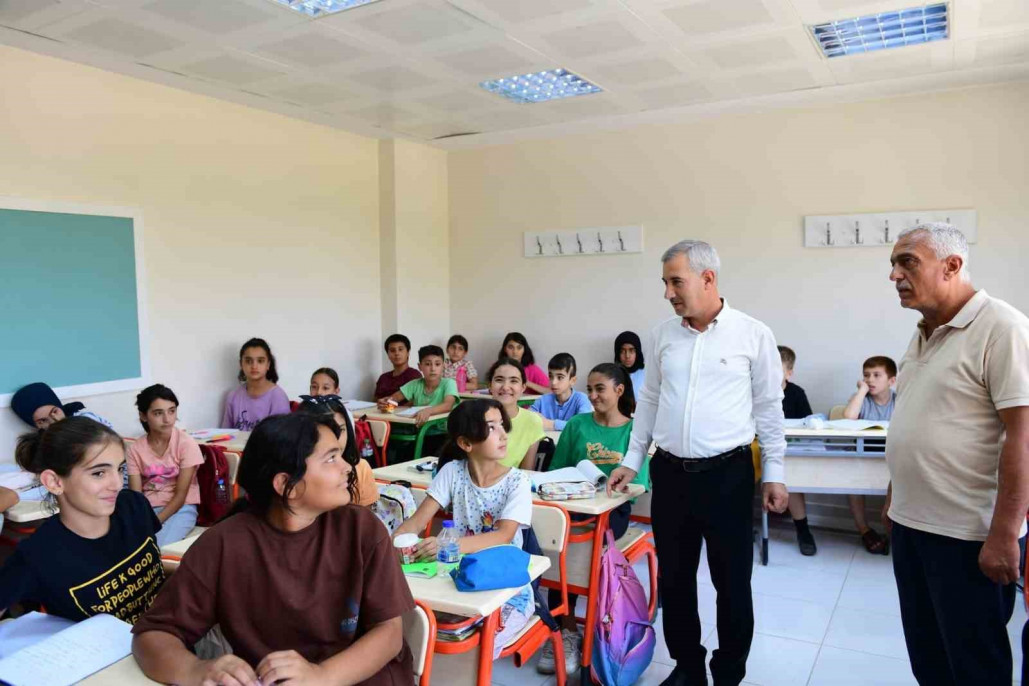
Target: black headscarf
column 633, row 340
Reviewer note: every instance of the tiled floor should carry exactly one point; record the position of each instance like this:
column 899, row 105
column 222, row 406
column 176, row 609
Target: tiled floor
column 830, row 620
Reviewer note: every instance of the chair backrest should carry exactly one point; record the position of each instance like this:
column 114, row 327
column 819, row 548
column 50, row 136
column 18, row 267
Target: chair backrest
column 233, row 459
column 544, row 454
column 551, row 524
column 836, row 412
column 380, row 431
column 420, row 635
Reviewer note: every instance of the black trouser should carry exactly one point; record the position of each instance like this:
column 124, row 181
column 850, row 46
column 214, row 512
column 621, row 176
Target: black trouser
column 715, row 507
column 954, row 617
column 618, row 522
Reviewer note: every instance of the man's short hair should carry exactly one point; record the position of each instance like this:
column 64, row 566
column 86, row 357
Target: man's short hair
column 562, row 362
column 700, row 256
column 397, row 338
column 788, row 357
column 881, row 361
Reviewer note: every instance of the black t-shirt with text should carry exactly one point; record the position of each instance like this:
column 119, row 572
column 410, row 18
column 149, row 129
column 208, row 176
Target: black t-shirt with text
column 75, row 577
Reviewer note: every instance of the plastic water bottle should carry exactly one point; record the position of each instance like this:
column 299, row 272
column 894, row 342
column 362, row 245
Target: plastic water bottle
column 367, row 452
column 221, row 493
column 449, row 552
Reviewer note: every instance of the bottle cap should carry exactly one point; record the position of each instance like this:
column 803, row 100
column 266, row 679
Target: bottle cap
column 448, row 524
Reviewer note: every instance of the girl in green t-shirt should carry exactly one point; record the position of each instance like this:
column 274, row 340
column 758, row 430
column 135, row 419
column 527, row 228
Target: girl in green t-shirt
column 602, row 437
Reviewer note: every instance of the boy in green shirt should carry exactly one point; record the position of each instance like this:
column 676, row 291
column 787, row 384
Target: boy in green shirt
column 437, row 394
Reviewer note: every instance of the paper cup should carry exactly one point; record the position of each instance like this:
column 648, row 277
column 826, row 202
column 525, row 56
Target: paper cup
column 404, row 545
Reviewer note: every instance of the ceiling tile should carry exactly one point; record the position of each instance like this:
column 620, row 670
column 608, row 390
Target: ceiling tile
column 223, row 16
column 491, row 62
column 673, row 95
column 392, row 79
column 440, row 129
column 1002, row 49
column 1003, row 13
column 583, row 106
column 312, row 50
column 636, row 71
column 384, row 115
column 230, row 69
column 414, row 24
column 315, row 93
column 30, row 14
column 713, row 16
column 460, row 101
column 528, row 10
column 778, row 81
column 593, row 39
column 763, row 51
column 121, row 37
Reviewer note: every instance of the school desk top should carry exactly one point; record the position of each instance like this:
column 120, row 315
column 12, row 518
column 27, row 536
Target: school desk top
column 373, row 413
column 124, row 672
column 234, row 444
column 440, row 593
column 29, row 511
column 591, row 506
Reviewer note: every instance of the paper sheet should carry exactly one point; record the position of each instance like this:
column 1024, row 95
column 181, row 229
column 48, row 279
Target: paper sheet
column 358, row 405
column 70, row 655
column 410, row 411
column 18, row 481
column 28, row 629
column 856, row 424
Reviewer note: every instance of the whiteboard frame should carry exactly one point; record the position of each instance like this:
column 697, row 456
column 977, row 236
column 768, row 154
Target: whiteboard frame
column 66, row 393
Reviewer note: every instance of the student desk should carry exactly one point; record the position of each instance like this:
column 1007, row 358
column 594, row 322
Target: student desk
column 124, row 672
column 832, row 461
column 524, row 401
column 29, row 511
column 235, row 445
column 407, row 424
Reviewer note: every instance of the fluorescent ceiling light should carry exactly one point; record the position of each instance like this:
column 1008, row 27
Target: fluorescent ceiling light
column 541, row 86
column 321, row 8
column 882, row 31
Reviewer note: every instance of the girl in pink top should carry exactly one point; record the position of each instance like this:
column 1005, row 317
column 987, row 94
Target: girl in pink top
column 517, row 348
column 162, row 464
column 258, row 396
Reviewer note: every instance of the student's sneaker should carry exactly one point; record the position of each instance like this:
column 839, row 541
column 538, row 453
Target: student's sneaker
column 571, row 644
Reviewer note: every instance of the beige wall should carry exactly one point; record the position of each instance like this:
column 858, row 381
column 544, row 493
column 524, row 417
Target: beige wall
column 742, row 183
column 415, row 269
column 255, row 224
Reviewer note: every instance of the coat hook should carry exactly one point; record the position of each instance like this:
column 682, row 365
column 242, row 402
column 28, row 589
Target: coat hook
column 621, row 242
column 579, row 241
column 560, row 248
column 828, row 234
column 539, row 246
column 857, row 232
column 600, row 240
column 887, row 233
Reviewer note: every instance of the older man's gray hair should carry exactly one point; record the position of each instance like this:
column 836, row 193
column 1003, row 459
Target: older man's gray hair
column 700, row 255
column 944, row 240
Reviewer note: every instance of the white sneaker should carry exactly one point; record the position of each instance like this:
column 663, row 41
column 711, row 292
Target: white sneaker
column 546, row 665
column 571, row 642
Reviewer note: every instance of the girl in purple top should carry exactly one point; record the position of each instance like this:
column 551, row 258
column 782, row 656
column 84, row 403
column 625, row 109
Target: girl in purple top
column 258, row 396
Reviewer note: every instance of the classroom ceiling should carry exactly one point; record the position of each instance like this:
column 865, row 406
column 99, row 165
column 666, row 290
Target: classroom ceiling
column 411, row 68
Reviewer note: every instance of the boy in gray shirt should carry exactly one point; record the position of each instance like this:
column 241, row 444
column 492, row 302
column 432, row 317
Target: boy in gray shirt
column 874, row 400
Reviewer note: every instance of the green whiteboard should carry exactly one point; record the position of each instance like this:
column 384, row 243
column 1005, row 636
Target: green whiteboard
column 70, row 298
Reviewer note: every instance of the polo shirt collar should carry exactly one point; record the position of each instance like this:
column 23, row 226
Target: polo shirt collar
column 966, row 315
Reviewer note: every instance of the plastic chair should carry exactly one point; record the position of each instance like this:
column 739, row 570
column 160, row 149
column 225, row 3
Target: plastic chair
column 380, row 434
column 233, row 458
column 836, row 412
column 420, row 635
column 552, row 526
column 544, row 454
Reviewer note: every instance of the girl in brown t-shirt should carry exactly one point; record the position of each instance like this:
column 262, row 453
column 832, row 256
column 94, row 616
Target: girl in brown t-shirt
column 305, row 587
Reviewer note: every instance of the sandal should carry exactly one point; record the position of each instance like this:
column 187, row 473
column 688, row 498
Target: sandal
column 874, row 543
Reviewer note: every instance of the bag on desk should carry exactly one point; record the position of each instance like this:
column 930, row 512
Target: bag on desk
column 502, row 566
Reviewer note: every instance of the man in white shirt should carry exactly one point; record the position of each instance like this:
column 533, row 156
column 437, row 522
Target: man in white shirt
column 714, row 379
column 958, row 453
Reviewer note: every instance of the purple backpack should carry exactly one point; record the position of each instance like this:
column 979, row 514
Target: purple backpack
column 624, row 642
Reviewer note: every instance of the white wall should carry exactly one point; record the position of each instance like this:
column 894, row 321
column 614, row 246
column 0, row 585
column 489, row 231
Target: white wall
column 742, row 183
column 255, row 225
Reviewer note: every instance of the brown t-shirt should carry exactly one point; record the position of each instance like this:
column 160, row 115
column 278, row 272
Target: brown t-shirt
column 315, row 591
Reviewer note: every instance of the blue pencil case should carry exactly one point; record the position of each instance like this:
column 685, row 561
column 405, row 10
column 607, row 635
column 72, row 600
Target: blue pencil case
column 502, row 566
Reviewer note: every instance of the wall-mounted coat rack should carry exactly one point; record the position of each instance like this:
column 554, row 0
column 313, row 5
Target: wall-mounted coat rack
column 879, row 229
column 611, row 240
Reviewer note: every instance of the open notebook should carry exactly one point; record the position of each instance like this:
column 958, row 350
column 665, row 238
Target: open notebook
column 70, row 655
column 584, row 471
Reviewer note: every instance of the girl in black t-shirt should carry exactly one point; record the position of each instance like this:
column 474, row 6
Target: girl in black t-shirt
column 99, row 554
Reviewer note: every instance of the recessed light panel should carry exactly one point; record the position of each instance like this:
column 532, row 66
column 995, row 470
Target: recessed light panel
column 882, row 31
column 322, row 8
column 540, row 86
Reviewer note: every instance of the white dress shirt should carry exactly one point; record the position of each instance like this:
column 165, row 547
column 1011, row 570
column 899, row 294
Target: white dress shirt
column 707, row 392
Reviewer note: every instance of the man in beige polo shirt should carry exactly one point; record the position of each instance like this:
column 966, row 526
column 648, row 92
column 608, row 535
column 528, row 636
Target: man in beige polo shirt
column 958, row 453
